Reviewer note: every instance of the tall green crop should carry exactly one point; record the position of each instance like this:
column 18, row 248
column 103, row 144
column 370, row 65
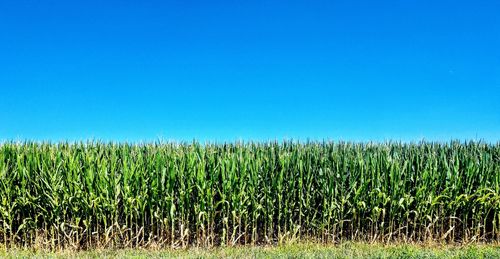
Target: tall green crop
column 167, row 194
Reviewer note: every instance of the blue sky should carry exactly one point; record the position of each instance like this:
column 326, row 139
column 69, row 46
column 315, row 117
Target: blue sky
column 249, row 70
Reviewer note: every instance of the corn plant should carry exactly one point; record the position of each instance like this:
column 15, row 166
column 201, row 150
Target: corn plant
column 94, row 194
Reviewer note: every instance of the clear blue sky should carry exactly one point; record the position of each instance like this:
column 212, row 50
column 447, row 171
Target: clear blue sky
column 251, row 70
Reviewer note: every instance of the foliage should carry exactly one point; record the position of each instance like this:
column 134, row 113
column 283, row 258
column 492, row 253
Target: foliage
column 167, row 194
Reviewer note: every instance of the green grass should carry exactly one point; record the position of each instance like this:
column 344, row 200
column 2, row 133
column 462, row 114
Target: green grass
column 108, row 195
column 304, row 250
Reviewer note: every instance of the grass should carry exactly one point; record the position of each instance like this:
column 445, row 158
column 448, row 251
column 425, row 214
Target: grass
column 302, row 250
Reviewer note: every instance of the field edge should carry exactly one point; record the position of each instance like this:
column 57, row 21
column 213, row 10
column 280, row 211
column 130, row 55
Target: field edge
column 296, row 250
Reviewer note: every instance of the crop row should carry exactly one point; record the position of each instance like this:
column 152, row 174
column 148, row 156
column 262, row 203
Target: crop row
column 168, row 194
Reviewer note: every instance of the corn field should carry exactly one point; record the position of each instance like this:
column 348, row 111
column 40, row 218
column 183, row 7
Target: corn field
column 95, row 194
